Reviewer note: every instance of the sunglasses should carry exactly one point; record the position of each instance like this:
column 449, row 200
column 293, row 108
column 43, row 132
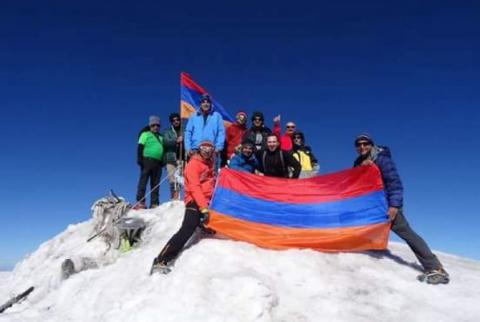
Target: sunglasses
column 175, row 120
column 297, row 137
column 257, row 119
column 290, row 126
column 359, row 144
column 155, row 125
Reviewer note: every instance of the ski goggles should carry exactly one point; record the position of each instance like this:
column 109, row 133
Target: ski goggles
column 206, row 149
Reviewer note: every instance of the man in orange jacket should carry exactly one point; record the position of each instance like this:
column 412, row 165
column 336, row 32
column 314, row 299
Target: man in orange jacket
column 199, row 184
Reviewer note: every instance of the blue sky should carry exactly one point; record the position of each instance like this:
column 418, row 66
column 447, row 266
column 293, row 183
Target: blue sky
column 78, row 80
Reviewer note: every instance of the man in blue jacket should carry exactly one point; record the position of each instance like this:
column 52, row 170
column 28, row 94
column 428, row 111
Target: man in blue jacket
column 380, row 155
column 244, row 160
column 205, row 124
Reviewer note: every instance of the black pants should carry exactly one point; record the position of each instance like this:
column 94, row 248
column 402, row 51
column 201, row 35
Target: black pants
column 419, row 247
column 191, row 220
column 151, row 169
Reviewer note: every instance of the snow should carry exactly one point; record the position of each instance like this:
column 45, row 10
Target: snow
column 223, row 280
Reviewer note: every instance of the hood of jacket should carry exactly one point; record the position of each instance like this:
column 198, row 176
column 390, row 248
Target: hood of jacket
column 379, row 151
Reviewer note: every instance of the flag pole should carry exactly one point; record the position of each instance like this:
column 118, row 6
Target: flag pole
column 182, row 161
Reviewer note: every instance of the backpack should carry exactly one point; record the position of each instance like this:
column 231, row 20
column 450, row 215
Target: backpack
column 112, row 225
column 144, row 129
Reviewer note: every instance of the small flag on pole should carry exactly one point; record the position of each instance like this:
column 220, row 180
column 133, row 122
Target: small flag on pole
column 190, row 93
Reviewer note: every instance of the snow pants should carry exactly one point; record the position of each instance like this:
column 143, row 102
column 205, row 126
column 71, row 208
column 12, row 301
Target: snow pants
column 191, row 220
column 151, row 169
column 419, row 247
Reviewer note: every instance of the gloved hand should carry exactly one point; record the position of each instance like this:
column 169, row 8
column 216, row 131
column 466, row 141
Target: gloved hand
column 204, row 216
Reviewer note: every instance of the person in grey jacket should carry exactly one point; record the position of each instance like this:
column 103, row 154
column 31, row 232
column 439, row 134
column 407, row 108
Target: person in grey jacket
column 174, row 152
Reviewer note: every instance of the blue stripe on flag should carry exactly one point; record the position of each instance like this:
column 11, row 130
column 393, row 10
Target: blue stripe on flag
column 370, row 208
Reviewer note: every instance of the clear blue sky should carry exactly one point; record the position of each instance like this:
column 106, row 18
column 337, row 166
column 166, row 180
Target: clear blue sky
column 79, row 79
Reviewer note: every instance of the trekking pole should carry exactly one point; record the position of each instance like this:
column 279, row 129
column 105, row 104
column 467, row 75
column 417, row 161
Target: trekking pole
column 16, row 299
column 183, row 158
column 150, row 192
column 114, row 195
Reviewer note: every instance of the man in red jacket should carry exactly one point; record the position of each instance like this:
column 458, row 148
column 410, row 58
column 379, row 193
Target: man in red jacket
column 286, row 143
column 234, row 134
column 199, row 184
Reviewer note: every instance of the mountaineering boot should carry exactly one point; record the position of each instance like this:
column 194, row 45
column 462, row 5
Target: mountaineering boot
column 160, row 267
column 435, row 276
column 153, row 206
column 207, row 231
column 139, row 205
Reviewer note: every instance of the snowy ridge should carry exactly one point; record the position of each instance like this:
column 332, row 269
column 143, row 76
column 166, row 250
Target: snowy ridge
column 224, row 280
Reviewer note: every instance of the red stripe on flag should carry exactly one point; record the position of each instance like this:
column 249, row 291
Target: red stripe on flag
column 186, row 80
column 329, row 187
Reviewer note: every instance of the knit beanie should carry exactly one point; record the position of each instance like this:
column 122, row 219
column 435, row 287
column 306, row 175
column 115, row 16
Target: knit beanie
column 153, row 120
column 364, row 137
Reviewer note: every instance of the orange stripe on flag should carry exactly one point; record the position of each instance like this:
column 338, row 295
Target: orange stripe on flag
column 324, row 239
column 186, row 110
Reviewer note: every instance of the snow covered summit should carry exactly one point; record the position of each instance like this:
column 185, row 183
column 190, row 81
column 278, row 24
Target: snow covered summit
column 224, row 280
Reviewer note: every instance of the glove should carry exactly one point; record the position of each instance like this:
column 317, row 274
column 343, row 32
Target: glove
column 204, row 216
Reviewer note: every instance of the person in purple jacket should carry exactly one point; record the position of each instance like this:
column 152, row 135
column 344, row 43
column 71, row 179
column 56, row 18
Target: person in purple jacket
column 369, row 153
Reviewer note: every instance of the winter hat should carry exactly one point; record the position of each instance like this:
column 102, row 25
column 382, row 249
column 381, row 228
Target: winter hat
column 258, row 114
column 153, row 120
column 364, row 137
column 205, row 97
column 206, row 143
column 173, row 116
column 300, row 134
column 240, row 120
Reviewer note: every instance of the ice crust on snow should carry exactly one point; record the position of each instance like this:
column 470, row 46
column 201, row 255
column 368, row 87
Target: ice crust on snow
column 217, row 279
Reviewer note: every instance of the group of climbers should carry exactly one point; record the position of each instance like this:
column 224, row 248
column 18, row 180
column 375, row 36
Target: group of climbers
column 256, row 149
column 206, row 145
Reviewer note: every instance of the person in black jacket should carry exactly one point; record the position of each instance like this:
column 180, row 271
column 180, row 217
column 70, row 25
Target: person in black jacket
column 369, row 153
column 275, row 162
column 258, row 131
